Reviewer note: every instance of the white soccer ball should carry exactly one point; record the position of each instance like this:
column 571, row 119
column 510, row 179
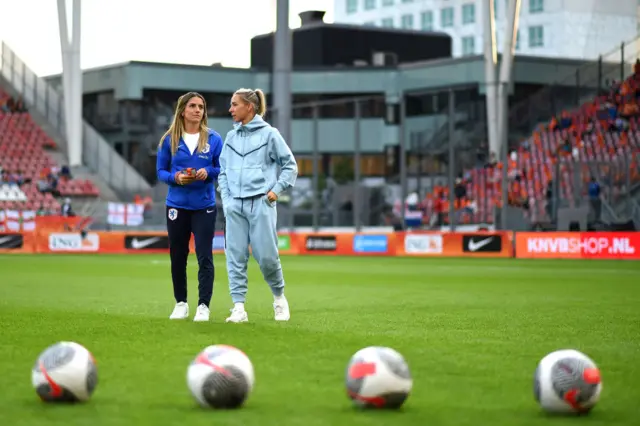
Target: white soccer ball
column 221, row 376
column 567, row 381
column 65, row 372
column 378, row 377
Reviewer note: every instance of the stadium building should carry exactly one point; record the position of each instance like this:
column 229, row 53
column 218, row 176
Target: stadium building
column 596, row 26
column 385, row 94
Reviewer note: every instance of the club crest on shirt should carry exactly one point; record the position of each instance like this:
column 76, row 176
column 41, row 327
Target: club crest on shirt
column 206, row 148
column 173, row 214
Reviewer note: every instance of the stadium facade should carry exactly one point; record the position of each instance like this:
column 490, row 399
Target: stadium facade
column 596, row 26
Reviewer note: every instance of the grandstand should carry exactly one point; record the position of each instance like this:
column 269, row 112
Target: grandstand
column 598, row 138
column 31, row 177
column 603, row 130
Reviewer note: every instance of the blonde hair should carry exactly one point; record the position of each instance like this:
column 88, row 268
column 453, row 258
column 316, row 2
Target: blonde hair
column 254, row 97
column 176, row 130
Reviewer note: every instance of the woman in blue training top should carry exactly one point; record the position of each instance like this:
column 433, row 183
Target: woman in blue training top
column 249, row 187
column 188, row 161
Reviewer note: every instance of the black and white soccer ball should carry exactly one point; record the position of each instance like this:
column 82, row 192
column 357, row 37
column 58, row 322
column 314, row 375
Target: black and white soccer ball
column 378, row 377
column 65, row 372
column 221, row 376
column 567, row 381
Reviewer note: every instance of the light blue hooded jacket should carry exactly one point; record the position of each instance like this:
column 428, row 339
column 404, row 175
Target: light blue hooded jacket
column 250, row 159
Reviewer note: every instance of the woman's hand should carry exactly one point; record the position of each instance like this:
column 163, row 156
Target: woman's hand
column 202, row 174
column 271, row 196
column 184, row 179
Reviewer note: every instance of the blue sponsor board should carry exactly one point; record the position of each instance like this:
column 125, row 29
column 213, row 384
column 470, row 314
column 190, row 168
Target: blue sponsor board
column 370, row 243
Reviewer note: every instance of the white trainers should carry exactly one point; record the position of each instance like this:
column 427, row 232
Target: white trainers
column 202, row 313
column 281, row 309
column 181, row 311
column 238, row 314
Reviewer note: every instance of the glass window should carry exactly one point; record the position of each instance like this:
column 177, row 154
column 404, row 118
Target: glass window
column 426, row 20
column 406, row 22
column 469, row 13
column 446, row 17
column 468, row 46
column 536, row 36
column 536, row 6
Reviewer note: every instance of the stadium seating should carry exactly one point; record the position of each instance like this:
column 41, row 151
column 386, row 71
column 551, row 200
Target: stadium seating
column 23, row 146
column 589, row 133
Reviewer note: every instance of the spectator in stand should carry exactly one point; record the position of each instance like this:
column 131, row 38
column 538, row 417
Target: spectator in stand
column 65, row 172
column 460, row 190
column 66, row 209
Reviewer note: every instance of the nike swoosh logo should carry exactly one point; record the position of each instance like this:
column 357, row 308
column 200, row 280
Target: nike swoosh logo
column 476, row 245
column 210, row 211
column 139, row 244
column 4, row 239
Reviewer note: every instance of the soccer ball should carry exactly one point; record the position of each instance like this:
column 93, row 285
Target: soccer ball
column 378, row 377
column 220, row 376
column 567, row 381
column 65, row 372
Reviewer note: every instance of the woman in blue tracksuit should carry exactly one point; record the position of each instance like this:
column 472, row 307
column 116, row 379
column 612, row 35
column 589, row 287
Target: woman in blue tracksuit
column 249, row 185
column 188, row 161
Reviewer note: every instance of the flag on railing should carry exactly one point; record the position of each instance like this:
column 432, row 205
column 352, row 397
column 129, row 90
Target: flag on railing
column 128, row 214
column 17, row 221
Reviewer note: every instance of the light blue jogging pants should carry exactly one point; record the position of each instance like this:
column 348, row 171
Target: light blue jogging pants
column 252, row 221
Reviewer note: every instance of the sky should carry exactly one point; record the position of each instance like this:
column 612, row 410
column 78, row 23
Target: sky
column 201, row 32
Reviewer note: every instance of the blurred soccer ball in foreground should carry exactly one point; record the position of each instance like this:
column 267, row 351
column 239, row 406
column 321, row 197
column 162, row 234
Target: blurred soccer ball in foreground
column 378, row 377
column 220, row 376
column 567, row 381
column 65, row 372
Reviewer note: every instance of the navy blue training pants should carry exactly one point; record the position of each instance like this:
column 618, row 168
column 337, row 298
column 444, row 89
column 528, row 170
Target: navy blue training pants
column 181, row 224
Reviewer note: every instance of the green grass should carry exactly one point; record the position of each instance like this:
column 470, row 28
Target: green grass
column 471, row 330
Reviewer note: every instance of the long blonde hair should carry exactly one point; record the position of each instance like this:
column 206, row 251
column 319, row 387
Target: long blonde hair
column 176, row 130
column 254, row 97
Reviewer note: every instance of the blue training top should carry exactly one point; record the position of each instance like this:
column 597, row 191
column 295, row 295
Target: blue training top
column 199, row 194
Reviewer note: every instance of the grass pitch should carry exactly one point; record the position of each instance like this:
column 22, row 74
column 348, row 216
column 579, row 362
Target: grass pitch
column 471, row 330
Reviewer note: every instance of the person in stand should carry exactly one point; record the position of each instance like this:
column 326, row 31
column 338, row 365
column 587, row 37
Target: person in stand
column 188, row 161
column 250, row 185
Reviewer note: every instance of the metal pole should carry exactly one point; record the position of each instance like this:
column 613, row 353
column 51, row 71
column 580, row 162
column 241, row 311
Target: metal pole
column 282, row 70
column 599, row 74
column 490, row 61
column 452, row 172
column 577, row 101
column 505, row 166
column 419, row 138
column 622, row 71
column 403, row 158
column 356, row 170
column 316, row 169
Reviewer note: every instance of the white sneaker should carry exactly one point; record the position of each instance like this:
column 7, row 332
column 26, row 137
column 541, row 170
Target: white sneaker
column 181, row 311
column 281, row 309
column 202, row 313
column 238, row 315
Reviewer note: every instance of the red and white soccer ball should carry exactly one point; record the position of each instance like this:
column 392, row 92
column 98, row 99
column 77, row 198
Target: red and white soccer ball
column 65, row 372
column 567, row 381
column 378, row 377
column 221, row 376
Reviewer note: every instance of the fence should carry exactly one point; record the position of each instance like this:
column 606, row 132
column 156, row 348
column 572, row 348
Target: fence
column 46, row 104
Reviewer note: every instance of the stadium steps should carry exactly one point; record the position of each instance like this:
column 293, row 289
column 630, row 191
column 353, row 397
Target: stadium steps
column 106, row 192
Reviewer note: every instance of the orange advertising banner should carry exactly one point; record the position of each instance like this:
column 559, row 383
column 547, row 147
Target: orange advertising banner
column 577, row 245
